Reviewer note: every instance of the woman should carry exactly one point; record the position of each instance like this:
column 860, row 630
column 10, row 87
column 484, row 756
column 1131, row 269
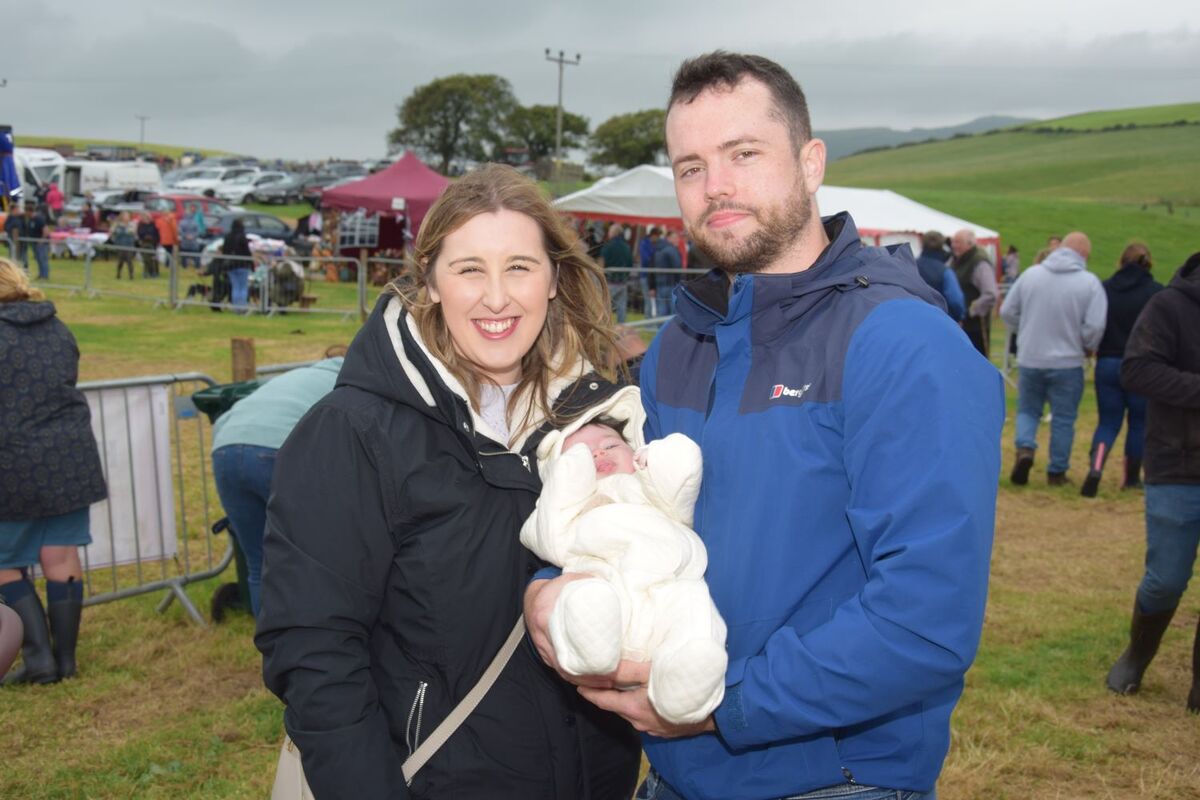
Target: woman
column 49, row 475
column 124, row 238
column 237, row 263
column 1128, row 290
column 394, row 571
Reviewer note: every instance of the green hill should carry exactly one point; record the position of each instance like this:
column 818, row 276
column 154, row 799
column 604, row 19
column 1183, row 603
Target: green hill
column 1028, row 183
column 1144, row 116
column 80, row 144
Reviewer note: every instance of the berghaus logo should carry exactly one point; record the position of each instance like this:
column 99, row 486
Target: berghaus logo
column 779, row 390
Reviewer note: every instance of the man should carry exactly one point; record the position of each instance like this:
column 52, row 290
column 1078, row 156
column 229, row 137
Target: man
column 667, row 257
column 1162, row 363
column 37, row 235
column 647, row 247
column 1058, row 310
column 14, row 231
column 617, row 259
column 932, row 266
column 849, row 435
column 977, row 278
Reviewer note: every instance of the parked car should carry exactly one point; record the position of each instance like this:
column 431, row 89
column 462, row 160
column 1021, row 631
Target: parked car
column 180, row 204
column 313, row 192
column 264, row 225
column 289, row 190
column 211, row 178
column 246, row 188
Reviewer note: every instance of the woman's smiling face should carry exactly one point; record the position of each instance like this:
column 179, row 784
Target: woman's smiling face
column 494, row 281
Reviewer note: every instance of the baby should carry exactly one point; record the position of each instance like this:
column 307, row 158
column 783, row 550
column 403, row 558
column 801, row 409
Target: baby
column 623, row 516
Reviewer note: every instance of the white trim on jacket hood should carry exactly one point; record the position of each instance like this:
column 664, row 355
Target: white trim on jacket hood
column 624, row 404
column 391, row 316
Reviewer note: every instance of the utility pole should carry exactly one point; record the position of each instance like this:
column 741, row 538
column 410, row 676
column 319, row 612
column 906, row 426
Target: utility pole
column 142, row 137
column 562, row 62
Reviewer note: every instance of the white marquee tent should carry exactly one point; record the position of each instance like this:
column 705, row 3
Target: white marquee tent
column 645, row 195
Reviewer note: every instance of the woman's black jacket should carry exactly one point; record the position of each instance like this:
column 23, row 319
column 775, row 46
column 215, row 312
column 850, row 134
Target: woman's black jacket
column 49, row 461
column 393, row 574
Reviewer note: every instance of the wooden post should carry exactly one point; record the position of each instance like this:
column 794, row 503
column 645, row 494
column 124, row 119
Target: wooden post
column 243, row 359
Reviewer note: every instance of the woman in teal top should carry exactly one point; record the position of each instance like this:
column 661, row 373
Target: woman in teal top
column 245, row 441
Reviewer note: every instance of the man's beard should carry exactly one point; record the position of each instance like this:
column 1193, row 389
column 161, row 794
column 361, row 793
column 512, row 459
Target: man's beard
column 778, row 230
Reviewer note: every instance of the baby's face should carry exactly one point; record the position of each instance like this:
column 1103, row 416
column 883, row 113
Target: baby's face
column 610, row 453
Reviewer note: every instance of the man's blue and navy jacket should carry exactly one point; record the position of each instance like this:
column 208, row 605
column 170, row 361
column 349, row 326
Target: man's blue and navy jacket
column 851, row 456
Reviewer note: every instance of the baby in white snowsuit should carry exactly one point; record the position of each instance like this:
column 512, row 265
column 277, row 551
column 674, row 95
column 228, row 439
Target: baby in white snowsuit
column 625, row 518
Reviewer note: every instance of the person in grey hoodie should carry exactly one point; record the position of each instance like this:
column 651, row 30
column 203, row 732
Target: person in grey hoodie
column 1058, row 310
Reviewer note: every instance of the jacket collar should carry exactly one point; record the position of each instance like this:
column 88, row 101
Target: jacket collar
column 775, row 301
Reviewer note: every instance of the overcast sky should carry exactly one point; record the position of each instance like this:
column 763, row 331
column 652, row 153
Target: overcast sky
column 319, row 78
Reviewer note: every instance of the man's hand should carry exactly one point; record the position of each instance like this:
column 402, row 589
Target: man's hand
column 540, row 597
column 634, row 704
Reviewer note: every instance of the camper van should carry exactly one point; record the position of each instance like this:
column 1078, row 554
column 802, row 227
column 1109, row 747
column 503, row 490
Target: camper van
column 83, row 177
column 37, row 169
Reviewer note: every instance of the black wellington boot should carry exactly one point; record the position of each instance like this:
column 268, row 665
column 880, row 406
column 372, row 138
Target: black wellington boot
column 1193, row 703
column 1145, row 634
column 64, row 608
column 38, row 658
column 1133, row 473
column 1091, row 484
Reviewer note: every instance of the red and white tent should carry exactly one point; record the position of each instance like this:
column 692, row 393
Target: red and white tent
column 645, row 195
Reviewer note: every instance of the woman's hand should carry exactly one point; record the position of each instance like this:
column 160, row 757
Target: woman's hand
column 540, row 597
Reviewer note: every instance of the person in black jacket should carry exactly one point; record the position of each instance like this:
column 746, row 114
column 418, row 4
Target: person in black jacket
column 49, row 475
column 393, row 570
column 147, row 236
column 237, row 263
column 1128, row 290
column 1162, row 362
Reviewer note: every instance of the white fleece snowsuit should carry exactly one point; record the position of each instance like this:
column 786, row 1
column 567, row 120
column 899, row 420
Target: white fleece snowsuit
column 648, row 600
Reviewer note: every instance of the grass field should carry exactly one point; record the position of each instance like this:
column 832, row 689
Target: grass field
column 1116, row 186
column 1146, row 115
column 163, row 709
column 81, row 143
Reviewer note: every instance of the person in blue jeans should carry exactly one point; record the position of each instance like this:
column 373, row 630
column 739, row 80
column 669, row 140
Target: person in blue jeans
column 246, row 439
column 237, row 264
column 1162, row 362
column 37, row 230
column 1128, row 291
column 667, row 256
column 1058, row 310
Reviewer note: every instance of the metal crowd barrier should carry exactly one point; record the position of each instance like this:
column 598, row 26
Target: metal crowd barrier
column 153, row 532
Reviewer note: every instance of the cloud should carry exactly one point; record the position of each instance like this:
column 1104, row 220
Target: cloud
column 314, row 79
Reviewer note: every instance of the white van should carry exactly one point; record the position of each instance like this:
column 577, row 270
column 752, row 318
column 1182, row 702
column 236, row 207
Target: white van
column 83, row 177
column 37, row 168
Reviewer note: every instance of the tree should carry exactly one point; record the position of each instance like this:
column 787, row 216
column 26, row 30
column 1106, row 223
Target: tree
column 460, row 116
column 534, row 127
column 628, row 140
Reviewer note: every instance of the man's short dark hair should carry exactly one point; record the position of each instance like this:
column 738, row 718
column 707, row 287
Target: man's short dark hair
column 720, row 69
column 933, row 240
column 654, row 231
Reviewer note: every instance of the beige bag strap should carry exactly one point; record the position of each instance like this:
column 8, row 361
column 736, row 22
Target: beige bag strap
column 463, row 710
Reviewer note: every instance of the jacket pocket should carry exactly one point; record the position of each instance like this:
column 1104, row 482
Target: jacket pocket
column 412, row 727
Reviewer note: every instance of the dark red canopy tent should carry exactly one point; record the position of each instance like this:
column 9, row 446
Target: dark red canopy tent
column 407, row 187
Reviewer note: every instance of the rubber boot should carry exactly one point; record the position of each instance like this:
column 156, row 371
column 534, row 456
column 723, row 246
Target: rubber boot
column 1133, row 473
column 1091, row 484
column 64, row 607
column 1193, row 701
column 38, row 666
column 1145, row 634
